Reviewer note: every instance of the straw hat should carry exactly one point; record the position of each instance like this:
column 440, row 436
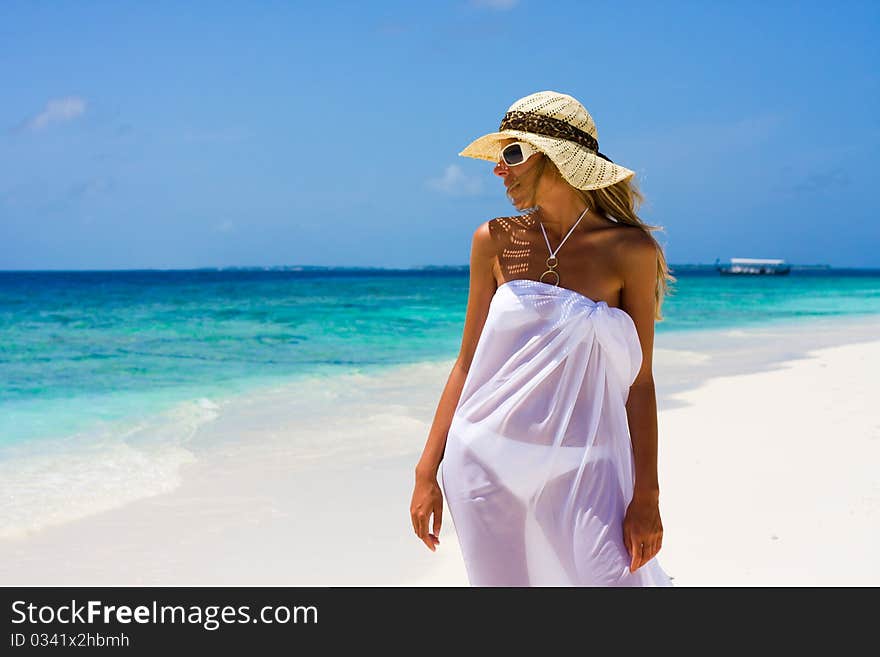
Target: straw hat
column 560, row 127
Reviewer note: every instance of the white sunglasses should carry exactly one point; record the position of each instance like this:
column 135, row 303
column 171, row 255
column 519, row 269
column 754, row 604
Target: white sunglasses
column 517, row 153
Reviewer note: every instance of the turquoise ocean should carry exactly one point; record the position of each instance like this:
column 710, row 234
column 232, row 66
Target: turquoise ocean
column 87, row 346
column 105, row 374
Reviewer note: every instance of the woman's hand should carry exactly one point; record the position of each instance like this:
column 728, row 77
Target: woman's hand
column 427, row 499
column 642, row 531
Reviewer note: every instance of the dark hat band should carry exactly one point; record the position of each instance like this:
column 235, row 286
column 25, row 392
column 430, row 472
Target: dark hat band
column 549, row 127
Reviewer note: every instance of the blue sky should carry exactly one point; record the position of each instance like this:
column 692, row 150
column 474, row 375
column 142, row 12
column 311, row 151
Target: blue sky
column 186, row 134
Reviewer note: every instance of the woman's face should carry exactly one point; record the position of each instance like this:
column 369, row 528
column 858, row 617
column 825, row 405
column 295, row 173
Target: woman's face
column 520, row 180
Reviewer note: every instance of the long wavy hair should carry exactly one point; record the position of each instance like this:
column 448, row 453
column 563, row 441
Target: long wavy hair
column 619, row 202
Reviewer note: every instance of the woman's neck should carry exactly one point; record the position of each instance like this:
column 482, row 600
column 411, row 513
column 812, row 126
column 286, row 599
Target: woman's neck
column 558, row 217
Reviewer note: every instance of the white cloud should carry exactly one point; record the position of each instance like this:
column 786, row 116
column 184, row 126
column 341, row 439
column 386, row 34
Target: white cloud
column 455, row 182
column 57, row 110
column 224, row 226
column 502, row 5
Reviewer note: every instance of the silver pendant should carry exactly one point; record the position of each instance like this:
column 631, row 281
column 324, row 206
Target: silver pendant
column 551, row 270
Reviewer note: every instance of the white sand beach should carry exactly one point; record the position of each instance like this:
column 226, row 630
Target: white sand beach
column 769, row 445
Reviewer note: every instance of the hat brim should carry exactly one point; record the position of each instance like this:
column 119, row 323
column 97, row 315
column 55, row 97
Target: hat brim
column 581, row 167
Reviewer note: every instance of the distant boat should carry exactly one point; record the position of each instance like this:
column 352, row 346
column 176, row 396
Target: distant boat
column 753, row 266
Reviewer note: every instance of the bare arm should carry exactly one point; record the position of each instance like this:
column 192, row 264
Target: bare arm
column 427, row 499
column 638, row 300
column 481, row 290
column 642, row 524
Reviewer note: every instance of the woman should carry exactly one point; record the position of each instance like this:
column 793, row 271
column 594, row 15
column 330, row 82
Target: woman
column 547, row 427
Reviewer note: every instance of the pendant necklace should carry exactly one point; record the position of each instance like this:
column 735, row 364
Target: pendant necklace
column 553, row 261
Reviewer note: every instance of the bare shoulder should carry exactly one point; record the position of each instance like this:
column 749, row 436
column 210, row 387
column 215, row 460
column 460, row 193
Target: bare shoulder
column 635, row 251
column 481, row 289
column 491, row 237
column 483, row 233
column 484, row 251
column 483, row 241
column 636, row 255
